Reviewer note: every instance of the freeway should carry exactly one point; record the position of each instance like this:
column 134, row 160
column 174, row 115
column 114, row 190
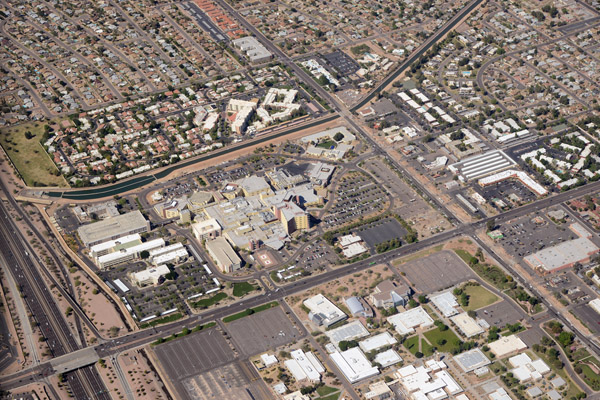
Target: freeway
column 142, row 338
column 84, row 383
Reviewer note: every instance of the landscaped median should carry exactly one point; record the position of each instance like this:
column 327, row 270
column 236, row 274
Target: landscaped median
column 184, row 332
column 250, row 311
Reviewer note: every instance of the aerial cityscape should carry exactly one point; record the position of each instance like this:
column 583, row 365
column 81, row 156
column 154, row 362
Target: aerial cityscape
column 300, row 200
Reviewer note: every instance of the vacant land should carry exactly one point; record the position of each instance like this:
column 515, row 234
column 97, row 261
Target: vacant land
column 22, row 144
column 478, row 297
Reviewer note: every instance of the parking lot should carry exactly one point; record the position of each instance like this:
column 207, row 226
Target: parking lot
column 506, row 194
column 381, row 231
column 194, row 354
column 237, row 380
column 265, row 330
column 356, row 195
column 342, row 62
column 502, row 313
column 527, row 235
column 191, row 279
column 436, row 272
column 317, row 255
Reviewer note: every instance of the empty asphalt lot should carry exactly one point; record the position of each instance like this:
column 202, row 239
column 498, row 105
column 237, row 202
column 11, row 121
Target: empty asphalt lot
column 265, row 330
column 436, row 272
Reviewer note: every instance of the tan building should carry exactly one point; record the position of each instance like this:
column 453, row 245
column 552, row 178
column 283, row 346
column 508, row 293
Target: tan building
column 208, row 229
column 223, row 254
column 292, row 217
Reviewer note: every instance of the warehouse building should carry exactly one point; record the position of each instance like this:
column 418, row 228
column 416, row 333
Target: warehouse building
column 407, row 321
column 507, row 345
column 323, row 312
column 481, row 165
column 223, row 254
column 472, row 360
column 304, row 366
column 113, row 228
column 376, row 342
column 446, row 303
column 354, row 364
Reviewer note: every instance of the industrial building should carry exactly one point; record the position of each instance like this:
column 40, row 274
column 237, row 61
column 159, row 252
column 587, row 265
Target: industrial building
column 358, row 307
column 525, row 369
column 354, row 364
column 129, row 253
column 507, row 345
column 471, row 360
column 431, row 381
column 113, row 228
column 406, row 322
column 376, row 342
column 254, row 50
column 304, row 366
column 446, row 303
column 387, row 358
column 323, row 312
column 150, row 276
column 223, row 254
column 467, row 325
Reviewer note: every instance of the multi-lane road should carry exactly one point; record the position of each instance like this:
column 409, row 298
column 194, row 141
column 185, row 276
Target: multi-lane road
column 142, row 338
column 18, row 255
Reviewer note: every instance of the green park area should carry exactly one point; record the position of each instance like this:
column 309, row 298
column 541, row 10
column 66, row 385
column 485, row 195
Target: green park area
column 242, row 288
column 444, row 340
column 22, row 144
column 205, row 303
column 478, row 297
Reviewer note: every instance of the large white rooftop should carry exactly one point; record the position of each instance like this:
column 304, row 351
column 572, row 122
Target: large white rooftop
column 407, row 321
column 354, row 365
column 446, row 303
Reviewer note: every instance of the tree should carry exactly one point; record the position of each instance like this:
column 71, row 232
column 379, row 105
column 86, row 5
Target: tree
column 144, row 254
column 422, row 299
column 418, row 354
column 491, row 224
column 338, row 136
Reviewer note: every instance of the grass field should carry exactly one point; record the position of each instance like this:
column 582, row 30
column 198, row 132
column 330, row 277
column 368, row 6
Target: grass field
column 325, row 390
column 204, row 303
column 250, row 311
column 242, row 288
column 412, row 345
column 435, row 335
column 334, row 396
column 28, row 155
column 478, row 297
column 591, row 378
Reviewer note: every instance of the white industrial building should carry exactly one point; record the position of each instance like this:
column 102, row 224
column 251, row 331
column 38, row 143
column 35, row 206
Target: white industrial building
column 168, row 254
column 304, row 366
column 354, row 364
column 127, row 254
column 323, row 312
column 595, row 305
column 350, row 331
column 352, row 245
column 406, row 322
column 507, row 345
column 377, row 342
column 467, row 325
column 269, row 359
column 446, row 303
column 471, row 360
column 387, row 358
column 429, row 382
column 150, row 276
column 253, row 49
column 525, row 369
